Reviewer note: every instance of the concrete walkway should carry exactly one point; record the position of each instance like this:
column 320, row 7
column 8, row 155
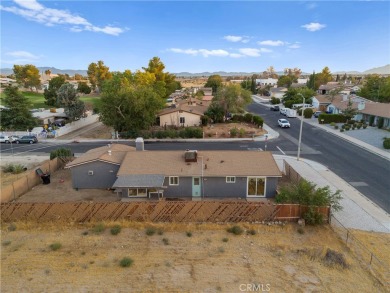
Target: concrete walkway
column 358, row 211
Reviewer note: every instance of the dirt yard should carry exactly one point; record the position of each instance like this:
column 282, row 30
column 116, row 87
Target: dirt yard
column 208, row 260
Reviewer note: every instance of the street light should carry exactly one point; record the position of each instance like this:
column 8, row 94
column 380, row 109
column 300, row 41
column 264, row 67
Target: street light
column 300, row 131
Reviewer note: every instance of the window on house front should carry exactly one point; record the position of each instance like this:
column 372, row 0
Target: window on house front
column 182, row 120
column 173, row 180
column 137, row 192
column 256, row 186
column 230, row 179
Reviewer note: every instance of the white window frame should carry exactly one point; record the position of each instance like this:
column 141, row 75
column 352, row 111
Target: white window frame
column 230, row 179
column 132, row 196
column 265, row 186
column 172, row 180
column 90, row 173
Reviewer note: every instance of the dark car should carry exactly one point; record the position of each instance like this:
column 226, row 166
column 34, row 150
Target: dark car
column 28, row 139
column 274, row 108
column 317, row 113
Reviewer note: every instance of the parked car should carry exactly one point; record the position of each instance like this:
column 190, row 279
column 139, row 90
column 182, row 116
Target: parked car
column 317, row 113
column 14, row 138
column 291, row 113
column 284, row 123
column 4, row 138
column 274, row 108
column 28, row 139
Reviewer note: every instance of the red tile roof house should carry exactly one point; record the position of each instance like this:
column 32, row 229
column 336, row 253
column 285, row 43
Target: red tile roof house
column 190, row 174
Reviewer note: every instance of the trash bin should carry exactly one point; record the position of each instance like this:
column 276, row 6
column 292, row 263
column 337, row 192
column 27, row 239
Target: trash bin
column 46, row 178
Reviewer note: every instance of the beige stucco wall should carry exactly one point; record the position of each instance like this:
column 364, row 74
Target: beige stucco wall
column 173, row 119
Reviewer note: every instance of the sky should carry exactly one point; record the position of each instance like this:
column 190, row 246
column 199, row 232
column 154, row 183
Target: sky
column 195, row 36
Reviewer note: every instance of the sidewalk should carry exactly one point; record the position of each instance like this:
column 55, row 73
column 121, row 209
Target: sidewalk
column 358, row 211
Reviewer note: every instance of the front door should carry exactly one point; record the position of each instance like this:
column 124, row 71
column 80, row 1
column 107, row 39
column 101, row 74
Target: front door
column 196, row 186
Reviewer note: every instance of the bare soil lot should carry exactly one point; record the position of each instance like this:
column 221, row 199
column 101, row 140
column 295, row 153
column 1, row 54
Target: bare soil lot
column 211, row 260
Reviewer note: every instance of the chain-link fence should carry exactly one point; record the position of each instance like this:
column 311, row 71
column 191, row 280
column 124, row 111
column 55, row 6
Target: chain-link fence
column 368, row 259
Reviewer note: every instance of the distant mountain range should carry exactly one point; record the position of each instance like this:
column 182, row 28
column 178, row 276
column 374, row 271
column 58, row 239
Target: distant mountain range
column 378, row 70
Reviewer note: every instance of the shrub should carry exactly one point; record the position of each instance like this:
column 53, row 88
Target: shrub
column 380, row 122
column 313, row 217
column 336, row 127
column 160, row 231
column 116, row 230
column 275, row 101
column 14, row 168
column 189, row 234
column 225, row 239
column 334, row 258
column 308, row 112
column 55, row 246
column 242, row 132
column 12, row 227
column 342, row 130
column 61, row 153
column 233, row 132
column 332, row 124
column 364, row 126
column 251, row 232
column 359, row 126
column 248, row 117
column 150, row 231
column 236, row 230
column 99, row 228
column 386, row 143
column 6, row 242
column 126, row 262
column 165, row 241
column 257, row 120
column 301, row 231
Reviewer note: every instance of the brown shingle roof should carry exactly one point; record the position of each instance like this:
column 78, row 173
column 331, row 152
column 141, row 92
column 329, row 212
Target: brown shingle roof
column 377, row 109
column 216, row 163
column 197, row 110
column 118, row 152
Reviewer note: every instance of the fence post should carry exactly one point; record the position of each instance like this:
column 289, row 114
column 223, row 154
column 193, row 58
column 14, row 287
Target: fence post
column 346, row 241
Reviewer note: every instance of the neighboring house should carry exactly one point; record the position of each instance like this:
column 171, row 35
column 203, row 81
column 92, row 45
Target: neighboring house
column 278, row 92
column 366, row 109
column 298, row 85
column 5, row 81
column 207, row 98
column 185, row 113
column 302, row 81
column 266, row 81
column 98, row 167
column 47, row 116
column 186, row 174
column 321, row 102
column 327, row 88
column 208, row 91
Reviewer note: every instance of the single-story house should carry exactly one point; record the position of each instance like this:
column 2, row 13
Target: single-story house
column 49, row 116
column 321, row 102
column 325, row 89
column 278, row 92
column 98, row 168
column 186, row 174
column 208, row 91
column 266, row 81
column 185, row 113
column 366, row 109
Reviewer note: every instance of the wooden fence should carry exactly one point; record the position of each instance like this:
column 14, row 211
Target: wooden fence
column 291, row 173
column 153, row 211
column 27, row 181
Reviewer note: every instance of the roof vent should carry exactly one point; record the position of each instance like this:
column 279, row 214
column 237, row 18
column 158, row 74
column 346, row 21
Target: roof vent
column 190, row 156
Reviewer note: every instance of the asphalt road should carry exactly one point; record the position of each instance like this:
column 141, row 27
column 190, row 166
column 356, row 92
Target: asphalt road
column 367, row 172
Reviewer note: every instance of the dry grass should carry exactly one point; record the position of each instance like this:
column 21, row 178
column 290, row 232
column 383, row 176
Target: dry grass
column 279, row 256
column 222, row 130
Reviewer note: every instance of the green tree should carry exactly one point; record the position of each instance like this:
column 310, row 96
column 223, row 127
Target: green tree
column 215, row 112
column 376, row 88
column 350, row 111
column 16, row 115
column 83, row 88
column 233, row 98
column 128, row 107
column 97, row 74
column 27, row 75
column 285, row 80
column 50, row 94
column 323, row 78
column 67, row 98
column 215, row 82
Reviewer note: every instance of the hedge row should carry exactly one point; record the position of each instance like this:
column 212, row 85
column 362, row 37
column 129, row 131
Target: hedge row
column 248, row 118
column 329, row 118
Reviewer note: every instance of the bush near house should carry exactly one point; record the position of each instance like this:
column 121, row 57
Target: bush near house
column 386, row 143
column 328, row 118
column 249, row 118
column 380, row 122
column 308, row 112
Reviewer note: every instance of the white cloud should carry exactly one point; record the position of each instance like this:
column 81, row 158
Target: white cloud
column 34, row 11
column 271, row 43
column 313, row 26
column 311, row 6
column 265, row 50
column 22, row 55
column 251, row 52
column 235, row 39
column 294, row 46
column 235, row 55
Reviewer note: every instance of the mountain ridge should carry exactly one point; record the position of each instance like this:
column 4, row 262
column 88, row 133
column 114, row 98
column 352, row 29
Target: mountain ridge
column 376, row 70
